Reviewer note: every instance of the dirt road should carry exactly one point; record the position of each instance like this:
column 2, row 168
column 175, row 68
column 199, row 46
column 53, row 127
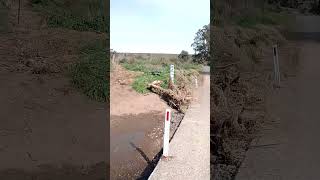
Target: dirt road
column 287, row 147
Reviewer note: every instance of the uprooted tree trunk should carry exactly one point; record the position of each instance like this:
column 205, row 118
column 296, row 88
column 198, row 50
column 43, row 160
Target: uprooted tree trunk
column 174, row 98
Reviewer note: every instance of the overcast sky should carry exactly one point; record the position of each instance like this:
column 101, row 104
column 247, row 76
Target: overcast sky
column 156, row 26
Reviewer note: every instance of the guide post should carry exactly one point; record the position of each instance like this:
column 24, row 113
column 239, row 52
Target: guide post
column 172, row 73
column 166, row 133
column 276, row 65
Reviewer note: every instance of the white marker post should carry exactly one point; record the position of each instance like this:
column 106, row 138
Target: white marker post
column 172, row 72
column 196, row 82
column 276, row 65
column 166, row 133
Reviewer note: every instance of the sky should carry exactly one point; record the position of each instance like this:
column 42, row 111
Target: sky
column 156, row 26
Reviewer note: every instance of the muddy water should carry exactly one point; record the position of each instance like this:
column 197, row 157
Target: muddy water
column 136, row 142
column 135, row 139
column 131, row 129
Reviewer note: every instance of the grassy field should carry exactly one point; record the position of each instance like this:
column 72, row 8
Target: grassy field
column 90, row 73
column 159, row 69
column 81, row 15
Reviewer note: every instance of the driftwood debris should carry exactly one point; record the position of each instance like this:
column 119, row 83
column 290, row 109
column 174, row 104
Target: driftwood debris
column 172, row 96
column 171, row 85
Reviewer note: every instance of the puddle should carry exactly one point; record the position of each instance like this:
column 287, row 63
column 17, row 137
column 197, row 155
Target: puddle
column 121, row 144
column 136, row 141
column 132, row 146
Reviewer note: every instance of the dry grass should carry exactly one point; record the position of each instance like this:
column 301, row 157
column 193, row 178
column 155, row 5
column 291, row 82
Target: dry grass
column 239, row 85
column 239, row 79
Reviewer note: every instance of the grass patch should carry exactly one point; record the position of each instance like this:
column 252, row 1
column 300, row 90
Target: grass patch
column 156, row 70
column 90, row 74
column 141, row 82
column 267, row 18
column 80, row 15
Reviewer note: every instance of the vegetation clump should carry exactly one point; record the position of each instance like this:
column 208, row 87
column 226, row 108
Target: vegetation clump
column 80, row 15
column 184, row 55
column 91, row 74
column 153, row 70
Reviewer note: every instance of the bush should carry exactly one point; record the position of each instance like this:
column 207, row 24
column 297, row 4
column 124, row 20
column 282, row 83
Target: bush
column 81, row 15
column 184, row 55
column 157, row 70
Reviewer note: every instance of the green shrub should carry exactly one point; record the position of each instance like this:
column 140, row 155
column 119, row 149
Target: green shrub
column 184, row 55
column 141, row 82
column 81, row 15
column 91, row 73
column 156, row 70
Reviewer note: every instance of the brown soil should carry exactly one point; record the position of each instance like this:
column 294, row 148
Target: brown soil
column 48, row 130
column 124, row 100
column 136, row 127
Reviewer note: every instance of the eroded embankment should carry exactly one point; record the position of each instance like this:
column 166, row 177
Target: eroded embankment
column 241, row 79
column 285, row 148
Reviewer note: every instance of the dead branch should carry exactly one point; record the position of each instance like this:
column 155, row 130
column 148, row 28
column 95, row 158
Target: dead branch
column 171, row 96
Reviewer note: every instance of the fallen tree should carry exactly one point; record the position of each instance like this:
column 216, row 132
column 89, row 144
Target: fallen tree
column 175, row 97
